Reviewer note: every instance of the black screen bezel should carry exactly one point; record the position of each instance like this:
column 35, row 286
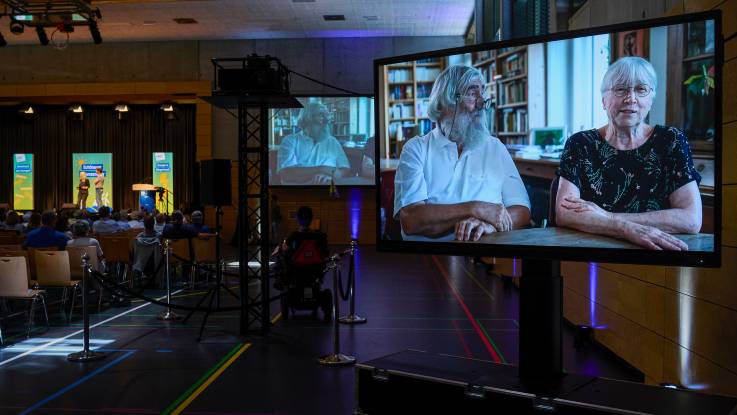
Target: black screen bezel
column 622, row 256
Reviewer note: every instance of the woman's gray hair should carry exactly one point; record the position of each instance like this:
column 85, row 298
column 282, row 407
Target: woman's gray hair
column 630, row 71
column 308, row 112
column 452, row 83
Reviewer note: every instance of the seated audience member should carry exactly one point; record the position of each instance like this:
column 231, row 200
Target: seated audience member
column 46, row 236
column 197, row 224
column 12, row 222
column 81, row 237
column 160, row 223
column 304, row 219
column 33, row 222
column 177, row 229
column 136, row 221
column 105, row 225
column 628, row 179
column 122, row 218
column 147, row 246
column 62, row 224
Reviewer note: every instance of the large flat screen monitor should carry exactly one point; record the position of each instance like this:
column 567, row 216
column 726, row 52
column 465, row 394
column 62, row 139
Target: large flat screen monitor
column 593, row 145
column 330, row 140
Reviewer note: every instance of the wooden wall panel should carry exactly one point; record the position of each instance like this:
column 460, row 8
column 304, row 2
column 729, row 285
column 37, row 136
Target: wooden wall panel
column 729, row 215
column 729, row 100
column 730, row 50
column 729, row 148
column 715, row 285
column 683, row 367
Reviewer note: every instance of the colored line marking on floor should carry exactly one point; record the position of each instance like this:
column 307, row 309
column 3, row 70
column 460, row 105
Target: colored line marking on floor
column 276, row 318
column 494, row 356
column 473, row 278
column 462, row 339
column 77, row 382
column 61, row 339
column 183, row 401
column 486, row 333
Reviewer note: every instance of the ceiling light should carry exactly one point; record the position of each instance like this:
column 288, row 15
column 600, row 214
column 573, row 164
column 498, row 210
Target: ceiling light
column 43, row 39
column 27, row 109
column 16, row 27
column 121, row 112
column 121, row 108
column 185, row 20
column 76, row 108
column 167, row 108
column 333, row 17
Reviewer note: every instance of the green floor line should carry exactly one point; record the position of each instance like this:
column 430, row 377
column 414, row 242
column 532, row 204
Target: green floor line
column 200, row 381
column 486, row 333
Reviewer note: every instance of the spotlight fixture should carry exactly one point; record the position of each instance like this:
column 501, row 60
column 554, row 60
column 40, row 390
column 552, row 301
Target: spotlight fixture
column 168, row 111
column 77, row 112
column 16, row 27
column 3, row 43
column 95, row 32
column 121, row 112
column 43, row 39
column 27, row 110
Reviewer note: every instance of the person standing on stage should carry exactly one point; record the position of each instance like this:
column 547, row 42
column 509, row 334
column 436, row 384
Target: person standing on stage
column 83, row 190
column 99, row 184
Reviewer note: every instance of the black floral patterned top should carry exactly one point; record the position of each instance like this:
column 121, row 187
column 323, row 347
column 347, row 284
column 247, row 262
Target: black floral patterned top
column 628, row 181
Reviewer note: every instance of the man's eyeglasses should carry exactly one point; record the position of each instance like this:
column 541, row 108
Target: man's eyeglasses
column 480, row 101
column 639, row 90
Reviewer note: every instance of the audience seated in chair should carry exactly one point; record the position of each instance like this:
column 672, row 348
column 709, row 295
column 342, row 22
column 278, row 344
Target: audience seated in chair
column 46, row 235
column 122, row 218
column 177, row 229
column 105, row 225
column 32, row 223
column 81, row 235
column 12, row 222
column 197, row 224
column 147, row 246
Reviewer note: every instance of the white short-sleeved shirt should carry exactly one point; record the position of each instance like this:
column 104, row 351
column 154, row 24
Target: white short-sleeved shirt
column 431, row 170
column 300, row 150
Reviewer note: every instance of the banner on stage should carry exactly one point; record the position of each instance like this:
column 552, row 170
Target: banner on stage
column 163, row 176
column 97, row 168
column 23, row 181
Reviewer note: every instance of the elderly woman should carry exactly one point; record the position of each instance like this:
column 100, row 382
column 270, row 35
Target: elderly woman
column 628, row 179
column 312, row 155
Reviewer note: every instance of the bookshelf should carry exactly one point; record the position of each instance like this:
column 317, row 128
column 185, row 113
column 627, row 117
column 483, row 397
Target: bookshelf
column 506, row 74
column 407, row 94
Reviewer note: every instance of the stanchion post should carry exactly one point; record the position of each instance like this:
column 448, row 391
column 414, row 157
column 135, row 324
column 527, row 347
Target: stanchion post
column 336, row 358
column 86, row 355
column 168, row 315
column 352, row 318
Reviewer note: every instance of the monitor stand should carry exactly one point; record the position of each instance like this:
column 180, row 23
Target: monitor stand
column 540, row 323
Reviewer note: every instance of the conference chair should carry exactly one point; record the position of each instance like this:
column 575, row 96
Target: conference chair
column 24, row 254
column 32, row 260
column 204, row 254
column 53, row 271
column 116, row 249
column 9, row 237
column 14, row 286
column 10, row 248
column 77, row 272
column 181, row 254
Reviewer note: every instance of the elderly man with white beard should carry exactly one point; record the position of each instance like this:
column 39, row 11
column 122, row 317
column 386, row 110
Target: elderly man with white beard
column 458, row 182
column 312, row 155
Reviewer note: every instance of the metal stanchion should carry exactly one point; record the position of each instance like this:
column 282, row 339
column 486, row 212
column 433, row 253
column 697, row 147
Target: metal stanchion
column 86, row 355
column 336, row 358
column 168, row 315
column 352, row 318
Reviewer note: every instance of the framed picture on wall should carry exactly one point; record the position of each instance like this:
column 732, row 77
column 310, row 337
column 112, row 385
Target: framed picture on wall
column 630, row 43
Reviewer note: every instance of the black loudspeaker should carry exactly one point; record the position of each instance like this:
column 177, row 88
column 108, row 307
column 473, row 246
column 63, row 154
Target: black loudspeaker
column 215, row 182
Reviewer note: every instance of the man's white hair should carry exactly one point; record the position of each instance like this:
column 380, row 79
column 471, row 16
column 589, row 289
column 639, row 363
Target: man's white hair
column 308, row 112
column 450, row 85
column 630, row 71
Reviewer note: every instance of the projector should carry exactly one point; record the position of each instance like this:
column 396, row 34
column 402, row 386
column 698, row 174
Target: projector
column 252, row 74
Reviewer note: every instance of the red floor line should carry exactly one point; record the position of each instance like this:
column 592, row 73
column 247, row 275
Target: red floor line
column 463, row 341
column 494, row 356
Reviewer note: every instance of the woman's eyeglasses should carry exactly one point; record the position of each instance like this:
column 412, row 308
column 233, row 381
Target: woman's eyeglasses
column 639, row 90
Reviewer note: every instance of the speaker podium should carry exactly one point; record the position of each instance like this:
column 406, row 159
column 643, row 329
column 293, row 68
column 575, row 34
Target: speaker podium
column 147, row 198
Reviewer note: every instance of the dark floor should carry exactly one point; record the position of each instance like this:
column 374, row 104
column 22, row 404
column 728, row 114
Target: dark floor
column 437, row 304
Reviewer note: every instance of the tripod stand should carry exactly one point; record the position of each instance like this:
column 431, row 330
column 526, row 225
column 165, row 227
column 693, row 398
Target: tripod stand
column 213, row 293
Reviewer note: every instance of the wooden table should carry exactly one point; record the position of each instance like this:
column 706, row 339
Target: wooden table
column 569, row 238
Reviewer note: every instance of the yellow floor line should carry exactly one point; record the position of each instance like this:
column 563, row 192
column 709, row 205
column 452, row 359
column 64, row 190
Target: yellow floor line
column 209, row 380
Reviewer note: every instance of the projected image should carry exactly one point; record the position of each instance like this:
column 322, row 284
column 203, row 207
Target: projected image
column 328, row 141
column 92, row 179
column 23, row 181
column 591, row 142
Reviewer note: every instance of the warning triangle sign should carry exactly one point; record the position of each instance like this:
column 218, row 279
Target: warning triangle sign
column 308, row 253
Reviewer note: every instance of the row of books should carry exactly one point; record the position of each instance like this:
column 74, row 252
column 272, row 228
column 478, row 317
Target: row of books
column 400, row 75
column 422, row 106
column 427, row 74
column 397, row 111
column 423, row 90
column 513, row 121
column 400, row 92
column 428, row 60
column 513, row 65
column 512, row 92
column 488, row 71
